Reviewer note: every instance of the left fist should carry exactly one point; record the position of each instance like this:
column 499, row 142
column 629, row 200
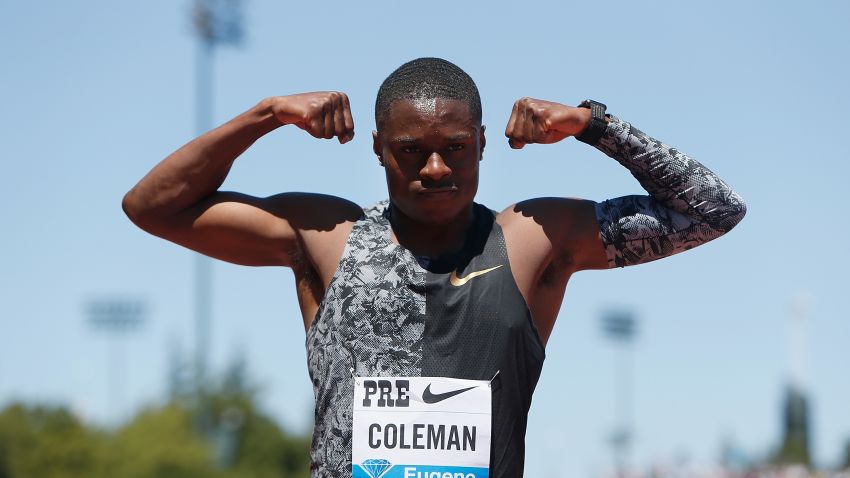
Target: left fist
column 544, row 122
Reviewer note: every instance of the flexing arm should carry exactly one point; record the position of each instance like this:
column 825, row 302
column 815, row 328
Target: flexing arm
column 688, row 205
column 179, row 199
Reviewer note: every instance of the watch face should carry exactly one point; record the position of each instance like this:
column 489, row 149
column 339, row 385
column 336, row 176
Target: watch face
column 595, row 104
column 596, row 108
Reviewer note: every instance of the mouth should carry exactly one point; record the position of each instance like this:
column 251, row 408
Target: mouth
column 437, row 192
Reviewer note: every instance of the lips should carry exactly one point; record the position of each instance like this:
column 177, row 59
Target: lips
column 437, row 193
column 438, row 189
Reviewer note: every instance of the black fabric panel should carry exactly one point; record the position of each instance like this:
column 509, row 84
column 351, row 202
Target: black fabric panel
column 483, row 327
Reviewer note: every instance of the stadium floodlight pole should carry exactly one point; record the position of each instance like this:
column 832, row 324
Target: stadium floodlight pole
column 796, row 444
column 216, row 22
column 801, row 307
column 118, row 318
column 621, row 327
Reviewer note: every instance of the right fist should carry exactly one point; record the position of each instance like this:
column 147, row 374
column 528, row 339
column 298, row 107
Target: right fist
column 323, row 114
column 544, row 122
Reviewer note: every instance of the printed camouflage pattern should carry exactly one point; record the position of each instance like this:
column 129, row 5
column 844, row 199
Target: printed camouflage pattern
column 688, row 204
column 370, row 323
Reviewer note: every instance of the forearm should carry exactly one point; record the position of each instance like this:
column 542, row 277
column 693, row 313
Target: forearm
column 688, row 204
column 197, row 169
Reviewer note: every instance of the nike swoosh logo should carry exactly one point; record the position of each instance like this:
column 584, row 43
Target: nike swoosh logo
column 429, row 397
column 459, row 281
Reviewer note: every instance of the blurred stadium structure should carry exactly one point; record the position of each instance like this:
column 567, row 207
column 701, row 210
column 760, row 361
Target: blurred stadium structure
column 621, row 327
column 216, row 22
column 118, row 318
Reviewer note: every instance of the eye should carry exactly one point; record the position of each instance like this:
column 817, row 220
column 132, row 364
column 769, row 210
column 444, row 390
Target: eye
column 455, row 147
column 411, row 149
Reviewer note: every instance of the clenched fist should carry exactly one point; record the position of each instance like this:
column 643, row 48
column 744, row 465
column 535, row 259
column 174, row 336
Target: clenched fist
column 323, row 114
column 540, row 121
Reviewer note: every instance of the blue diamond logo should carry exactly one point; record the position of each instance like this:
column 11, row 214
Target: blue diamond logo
column 376, row 468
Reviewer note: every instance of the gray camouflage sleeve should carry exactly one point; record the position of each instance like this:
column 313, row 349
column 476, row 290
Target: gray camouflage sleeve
column 688, row 205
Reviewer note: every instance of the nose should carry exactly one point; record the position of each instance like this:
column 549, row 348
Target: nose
column 435, row 168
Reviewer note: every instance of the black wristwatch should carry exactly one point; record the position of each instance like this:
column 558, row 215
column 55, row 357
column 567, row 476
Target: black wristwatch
column 597, row 125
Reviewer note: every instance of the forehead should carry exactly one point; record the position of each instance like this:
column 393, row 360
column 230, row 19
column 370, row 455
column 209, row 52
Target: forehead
column 428, row 115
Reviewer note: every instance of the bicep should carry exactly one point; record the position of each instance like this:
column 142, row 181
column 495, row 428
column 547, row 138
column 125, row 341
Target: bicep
column 637, row 229
column 253, row 231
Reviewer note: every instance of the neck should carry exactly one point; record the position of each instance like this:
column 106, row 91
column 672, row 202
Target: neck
column 429, row 239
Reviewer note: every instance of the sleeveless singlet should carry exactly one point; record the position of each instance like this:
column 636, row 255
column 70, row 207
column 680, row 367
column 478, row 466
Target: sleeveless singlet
column 387, row 313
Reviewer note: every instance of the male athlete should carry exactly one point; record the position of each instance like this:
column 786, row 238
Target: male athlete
column 400, row 298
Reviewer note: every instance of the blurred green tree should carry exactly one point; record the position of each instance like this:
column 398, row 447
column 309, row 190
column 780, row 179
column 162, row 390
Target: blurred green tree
column 162, row 441
column 158, row 442
column 47, row 442
column 247, row 442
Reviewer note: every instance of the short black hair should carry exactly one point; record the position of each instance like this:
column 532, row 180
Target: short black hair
column 427, row 78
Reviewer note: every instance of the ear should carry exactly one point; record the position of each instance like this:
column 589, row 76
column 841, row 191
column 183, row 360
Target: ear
column 376, row 144
column 482, row 141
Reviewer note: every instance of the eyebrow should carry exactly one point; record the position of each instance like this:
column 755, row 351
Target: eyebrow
column 411, row 139
column 403, row 139
column 460, row 137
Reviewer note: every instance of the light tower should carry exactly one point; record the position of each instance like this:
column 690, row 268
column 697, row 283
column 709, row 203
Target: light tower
column 118, row 318
column 795, row 446
column 216, row 22
column 621, row 327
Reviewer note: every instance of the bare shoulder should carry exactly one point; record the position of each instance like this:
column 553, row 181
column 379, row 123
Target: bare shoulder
column 561, row 232
column 547, row 240
column 557, row 219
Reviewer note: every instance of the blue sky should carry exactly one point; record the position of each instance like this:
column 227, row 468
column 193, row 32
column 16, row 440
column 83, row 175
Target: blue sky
column 95, row 93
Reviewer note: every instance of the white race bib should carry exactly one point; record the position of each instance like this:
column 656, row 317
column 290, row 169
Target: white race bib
column 421, row 427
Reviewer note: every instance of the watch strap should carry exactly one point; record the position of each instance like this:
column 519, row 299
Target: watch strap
column 597, row 125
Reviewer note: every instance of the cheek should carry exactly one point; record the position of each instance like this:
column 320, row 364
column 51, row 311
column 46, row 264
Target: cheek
column 397, row 180
column 406, row 170
column 465, row 166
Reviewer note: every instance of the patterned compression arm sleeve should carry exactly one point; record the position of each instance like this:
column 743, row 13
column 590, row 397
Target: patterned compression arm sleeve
column 688, row 204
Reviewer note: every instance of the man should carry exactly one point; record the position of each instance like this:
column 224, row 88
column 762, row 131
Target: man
column 429, row 284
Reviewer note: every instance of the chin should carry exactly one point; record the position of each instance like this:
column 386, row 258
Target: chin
column 435, row 211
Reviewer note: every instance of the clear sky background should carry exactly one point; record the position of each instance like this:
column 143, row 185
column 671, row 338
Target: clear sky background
column 94, row 93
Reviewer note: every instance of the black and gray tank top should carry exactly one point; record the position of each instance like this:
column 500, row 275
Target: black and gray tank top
column 388, row 313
